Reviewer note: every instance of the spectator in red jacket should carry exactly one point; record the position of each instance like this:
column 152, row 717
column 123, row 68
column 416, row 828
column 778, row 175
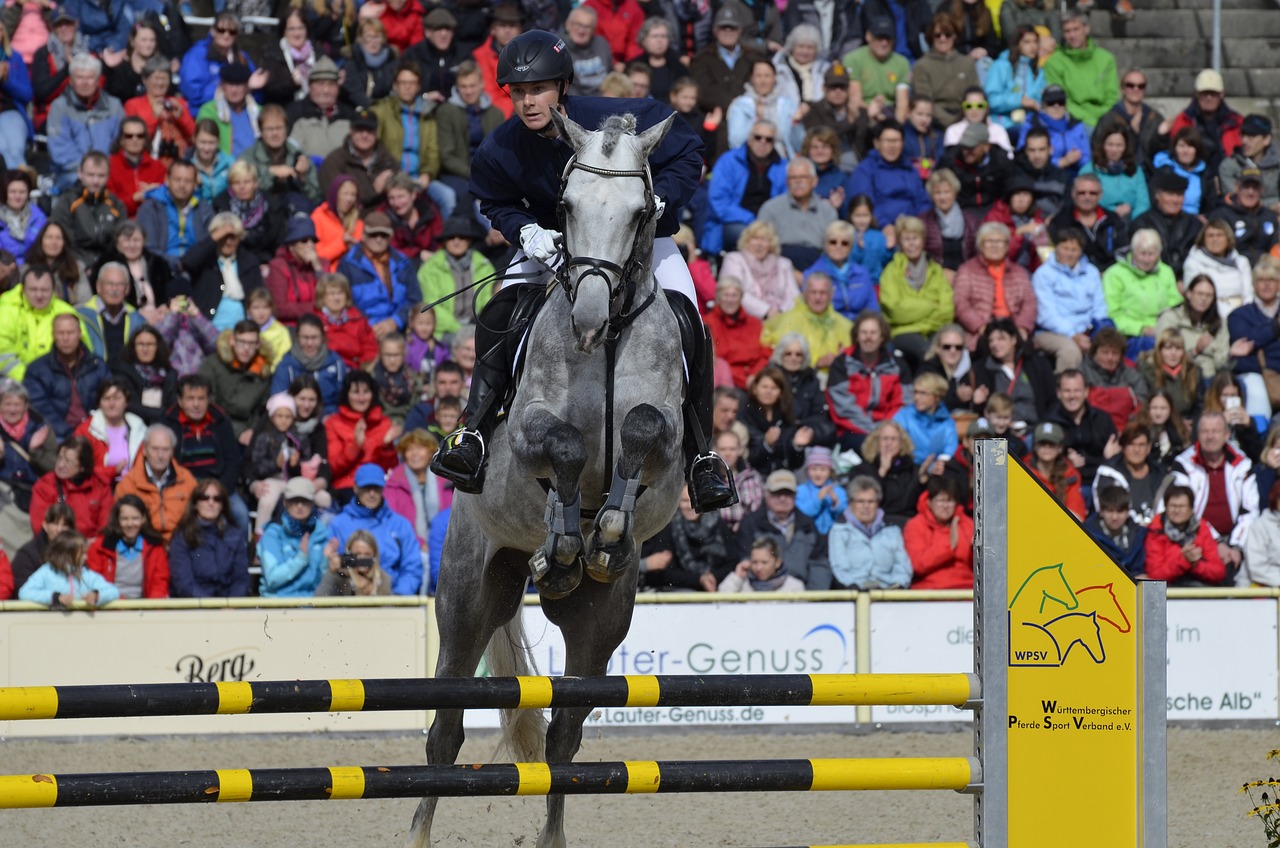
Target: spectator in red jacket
column 1219, row 124
column 359, row 433
column 133, row 172
column 865, row 383
column 402, row 20
column 1180, row 547
column 507, row 23
column 619, row 22
column 735, row 335
column 1049, row 465
column 293, row 271
column 939, row 540
column 346, row 328
column 130, row 553
column 73, row 482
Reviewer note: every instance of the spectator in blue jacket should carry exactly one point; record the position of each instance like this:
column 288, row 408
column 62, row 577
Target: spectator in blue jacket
column 1068, row 136
column 292, row 550
column 888, row 178
column 81, row 119
column 104, row 23
column 16, row 92
column 852, row 288
column 310, row 354
column 864, row 551
column 64, row 579
column 1070, row 304
column 384, row 286
column 172, row 218
column 63, row 383
column 1256, row 322
column 209, row 554
column 202, row 66
column 1015, row 82
column 399, row 553
column 743, row 179
column 927, row 421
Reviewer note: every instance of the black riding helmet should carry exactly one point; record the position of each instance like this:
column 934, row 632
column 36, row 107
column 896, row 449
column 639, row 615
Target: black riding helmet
column 535, row 56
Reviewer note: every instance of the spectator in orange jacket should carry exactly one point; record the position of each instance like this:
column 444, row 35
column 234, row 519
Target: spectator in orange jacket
column 939, row 541
column 130, row 553
column 1180, row 547
column 735, row 335
column 73, row 482
column 162, row 484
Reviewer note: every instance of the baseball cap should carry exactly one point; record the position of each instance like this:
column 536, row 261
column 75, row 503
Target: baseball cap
column 378, row 222
column 975, row 134
column 1209, row 80
column 439, row 18
column 1249, row 175
column 780, row 481
column 1053, row 94
column 979, row 427
column 299, row 488
column 369, row 475
column 1256, row 125
column 881, row 27
column 727, row 17
column 1049, row 433
column 365, row 120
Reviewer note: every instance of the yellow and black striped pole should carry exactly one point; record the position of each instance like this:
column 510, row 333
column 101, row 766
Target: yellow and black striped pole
column 310, row 696
column 369, row 782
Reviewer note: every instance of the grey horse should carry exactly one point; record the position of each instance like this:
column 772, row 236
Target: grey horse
column 555, row 430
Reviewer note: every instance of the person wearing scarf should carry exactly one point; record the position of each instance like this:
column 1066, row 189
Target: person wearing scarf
column 696, row 549
column 233, row 110
column 289, row 71
column 20, row 220
column 1180, row 547
column 864, row 551
column 762, row 101
column 763, row 572
column 768, row 278
column 292, row 550
column 240, row 375
column 371, row 68
column 453, row 269
column 49, row 71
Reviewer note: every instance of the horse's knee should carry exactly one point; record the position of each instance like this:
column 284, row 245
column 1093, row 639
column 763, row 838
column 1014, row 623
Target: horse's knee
column 643, row 428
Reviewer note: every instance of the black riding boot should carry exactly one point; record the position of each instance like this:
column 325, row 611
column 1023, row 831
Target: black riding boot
column 461, row 458
column 711, row 484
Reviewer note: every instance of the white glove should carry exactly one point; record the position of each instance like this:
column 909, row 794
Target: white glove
column 659, row 206
column 539, row 244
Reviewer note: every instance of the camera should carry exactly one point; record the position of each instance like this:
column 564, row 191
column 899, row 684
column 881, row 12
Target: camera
column 353, row 561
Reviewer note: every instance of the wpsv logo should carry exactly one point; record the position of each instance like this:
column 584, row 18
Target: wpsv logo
column 1047, row 619
column 220, row 668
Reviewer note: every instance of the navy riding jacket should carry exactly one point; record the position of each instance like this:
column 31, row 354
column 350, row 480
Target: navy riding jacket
column 516, row 172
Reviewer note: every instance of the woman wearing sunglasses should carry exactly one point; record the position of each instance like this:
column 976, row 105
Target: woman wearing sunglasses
column 943, row 73
column 202, row 66
column 209, row 555
column 976, row 109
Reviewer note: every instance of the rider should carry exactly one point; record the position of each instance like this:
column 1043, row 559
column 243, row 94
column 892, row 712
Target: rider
column 516, row 175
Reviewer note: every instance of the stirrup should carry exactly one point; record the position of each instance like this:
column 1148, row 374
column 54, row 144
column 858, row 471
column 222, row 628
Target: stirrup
column 464, row 477
column 723, row 493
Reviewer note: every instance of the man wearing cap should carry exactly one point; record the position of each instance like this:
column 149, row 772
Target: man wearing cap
column 363, row 158
column 452, row 268
column 291, row 274
column 399, row 553
column 506, row 24
column 804, row 549
column 1106, row 230
column 879, row 78
column 1219, row 124
column 437, row 55
column 834, row 112
column 1255, row 152
column 722, row 68
column 1068, row 136
column 318, row 122
column 231, row 108
column 1085, row 71
column 591, row 54
column 1256, row 227
column 1177, row 228
column 910, row 22
column 982, row 168
column 83, row 118
column 799, row 216
column 383, row 286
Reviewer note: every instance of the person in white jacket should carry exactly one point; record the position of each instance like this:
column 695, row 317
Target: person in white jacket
column 1215, row 255
column 1262, row 544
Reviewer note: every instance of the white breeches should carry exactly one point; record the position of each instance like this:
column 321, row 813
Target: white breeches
column 669, row 269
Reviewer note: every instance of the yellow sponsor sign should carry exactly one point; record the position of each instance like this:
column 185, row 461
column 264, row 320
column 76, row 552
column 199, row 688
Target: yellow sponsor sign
column 1073, row 681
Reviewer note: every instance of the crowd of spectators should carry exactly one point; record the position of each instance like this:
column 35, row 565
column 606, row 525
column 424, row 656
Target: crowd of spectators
column 917, row 227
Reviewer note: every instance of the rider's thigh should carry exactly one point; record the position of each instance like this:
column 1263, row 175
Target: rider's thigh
column 671, row 270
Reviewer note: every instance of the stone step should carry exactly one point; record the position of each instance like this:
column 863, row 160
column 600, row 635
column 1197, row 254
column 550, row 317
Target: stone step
column 1239, row 82
column 1157, row 52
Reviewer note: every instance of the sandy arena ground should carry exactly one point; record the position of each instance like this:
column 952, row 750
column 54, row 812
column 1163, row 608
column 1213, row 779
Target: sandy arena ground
column 1207, row 768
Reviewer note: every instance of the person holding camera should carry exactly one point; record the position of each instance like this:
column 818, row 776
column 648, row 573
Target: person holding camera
column 401, row 554
column 171, row 131
column 356, row 572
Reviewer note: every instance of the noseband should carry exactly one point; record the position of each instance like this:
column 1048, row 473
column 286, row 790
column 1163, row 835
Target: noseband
column 615, row 276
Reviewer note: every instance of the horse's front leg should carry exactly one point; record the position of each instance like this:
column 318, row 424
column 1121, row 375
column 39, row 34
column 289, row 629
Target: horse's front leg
column 643, row 429
column 550, row 446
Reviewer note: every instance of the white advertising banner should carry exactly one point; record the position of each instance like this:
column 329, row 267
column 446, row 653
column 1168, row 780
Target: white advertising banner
column 1222, row 659
column 185, row 646
column 734, row 638
column 921, row 638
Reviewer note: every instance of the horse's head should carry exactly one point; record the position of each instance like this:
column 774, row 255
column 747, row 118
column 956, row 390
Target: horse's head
column 607, row 212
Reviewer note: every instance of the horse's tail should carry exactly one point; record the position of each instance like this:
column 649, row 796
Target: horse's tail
column 524, row 732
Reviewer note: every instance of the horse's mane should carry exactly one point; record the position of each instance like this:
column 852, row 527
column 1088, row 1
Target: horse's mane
column 613, row 128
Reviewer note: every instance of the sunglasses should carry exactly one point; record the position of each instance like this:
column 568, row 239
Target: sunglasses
column 840, row 242
column 376, row 235
column 1140, row 86
column 1051, row 103
column 135, row 136
column 950, row 347
column 226, row 30
column 211, row 497
column 974, row 104
column 938, row 35
column 767, row 138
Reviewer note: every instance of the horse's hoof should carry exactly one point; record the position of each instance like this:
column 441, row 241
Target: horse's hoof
column 557, row 581
column 606, row 566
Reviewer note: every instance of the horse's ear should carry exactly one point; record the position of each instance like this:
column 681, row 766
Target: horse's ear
column 569, row 129
column 652, row 137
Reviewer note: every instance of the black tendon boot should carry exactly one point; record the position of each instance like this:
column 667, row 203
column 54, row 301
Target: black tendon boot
column 462, row 456
column 710, row 482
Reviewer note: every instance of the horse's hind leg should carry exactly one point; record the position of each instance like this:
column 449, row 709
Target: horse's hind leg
column 643, row 429
column 546, row 441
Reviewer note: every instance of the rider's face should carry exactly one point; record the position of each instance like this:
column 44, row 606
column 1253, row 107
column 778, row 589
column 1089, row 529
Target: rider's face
column 534, row 101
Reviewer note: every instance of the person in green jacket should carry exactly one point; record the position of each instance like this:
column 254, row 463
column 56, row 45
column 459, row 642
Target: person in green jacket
column 1137, row 289
column 453, row 268
column 1084, row 70
column 915, row 297
column 233, row 110
column 26, row 320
